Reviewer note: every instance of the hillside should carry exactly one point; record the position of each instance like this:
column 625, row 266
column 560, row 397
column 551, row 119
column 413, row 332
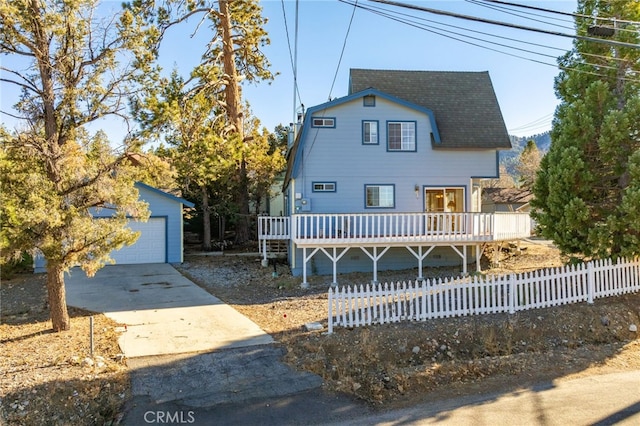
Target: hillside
column 510, row 158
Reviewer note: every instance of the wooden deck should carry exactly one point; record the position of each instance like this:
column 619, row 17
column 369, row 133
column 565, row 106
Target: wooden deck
column 375, row 233
column 342, row 230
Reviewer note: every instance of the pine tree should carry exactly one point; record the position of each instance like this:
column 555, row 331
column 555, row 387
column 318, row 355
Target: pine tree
column 82, row 67
column 587, row 191
column 528, row 165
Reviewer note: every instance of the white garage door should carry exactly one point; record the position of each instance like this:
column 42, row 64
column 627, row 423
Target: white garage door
column 150, row 246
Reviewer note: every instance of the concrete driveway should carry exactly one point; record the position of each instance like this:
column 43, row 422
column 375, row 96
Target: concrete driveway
column 164, row 312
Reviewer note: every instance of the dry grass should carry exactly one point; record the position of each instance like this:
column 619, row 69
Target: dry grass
column 397, row 363
column 46, row 377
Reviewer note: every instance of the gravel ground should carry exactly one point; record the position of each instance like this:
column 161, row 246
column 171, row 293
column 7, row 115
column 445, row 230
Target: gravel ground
column 51, row 378
column 398, row 363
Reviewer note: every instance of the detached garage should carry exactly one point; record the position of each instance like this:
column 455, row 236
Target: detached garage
column 161, row 236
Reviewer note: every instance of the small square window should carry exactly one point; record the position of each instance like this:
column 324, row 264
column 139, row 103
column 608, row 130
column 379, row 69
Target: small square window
column 401, row 136
column 380, row 196
column 369, row 101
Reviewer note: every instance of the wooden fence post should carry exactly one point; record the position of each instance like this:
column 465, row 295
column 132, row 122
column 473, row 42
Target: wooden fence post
column 512, row 293
column 330, row 323
column 590, row 283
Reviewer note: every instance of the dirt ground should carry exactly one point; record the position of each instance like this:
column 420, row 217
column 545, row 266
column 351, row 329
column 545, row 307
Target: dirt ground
column 48, row 378
column 394, row 365
column 52, row 378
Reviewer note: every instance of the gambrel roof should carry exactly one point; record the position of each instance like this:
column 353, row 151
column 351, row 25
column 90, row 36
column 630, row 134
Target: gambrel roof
column 465, row 106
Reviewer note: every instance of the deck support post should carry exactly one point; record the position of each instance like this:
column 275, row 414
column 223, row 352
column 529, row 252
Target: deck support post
column 375, row 257
column 420, row 256
column 463, row 255
column 265, row 261
column 334, row 258
column 478, row 257
column 305, row 259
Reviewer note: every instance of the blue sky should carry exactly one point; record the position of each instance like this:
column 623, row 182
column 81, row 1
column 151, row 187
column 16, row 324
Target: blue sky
column 524, row 88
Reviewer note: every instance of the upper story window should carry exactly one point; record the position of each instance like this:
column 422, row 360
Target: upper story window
column 370, row 132
column 380, row 196
column 324, row 187
column 323, row 122
column 401, row 135
column 369, row 101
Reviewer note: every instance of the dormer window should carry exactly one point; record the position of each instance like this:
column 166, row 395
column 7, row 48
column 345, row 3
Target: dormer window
column 369, row 101
column 323, row 122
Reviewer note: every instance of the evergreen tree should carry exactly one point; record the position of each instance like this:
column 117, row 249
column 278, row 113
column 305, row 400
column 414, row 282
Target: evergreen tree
column 75, row 65
column 587, row 193
column 528, row 165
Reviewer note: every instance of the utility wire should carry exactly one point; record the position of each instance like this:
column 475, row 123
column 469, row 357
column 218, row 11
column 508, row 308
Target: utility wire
column 507, row 24
column 519, row 15
column 344, row 45
column 390, row 15
column 575, row 15
column 293, row 66
column 543, row 121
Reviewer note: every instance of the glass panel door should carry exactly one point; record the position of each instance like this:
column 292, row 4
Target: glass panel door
column 444, row 200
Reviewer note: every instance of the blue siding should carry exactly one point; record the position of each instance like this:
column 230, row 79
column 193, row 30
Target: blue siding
column 161, row 204
column 339, row 155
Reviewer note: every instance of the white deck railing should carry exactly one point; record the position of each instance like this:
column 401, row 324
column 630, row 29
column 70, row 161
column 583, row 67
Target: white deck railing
column 395, row 227
column 274, row 228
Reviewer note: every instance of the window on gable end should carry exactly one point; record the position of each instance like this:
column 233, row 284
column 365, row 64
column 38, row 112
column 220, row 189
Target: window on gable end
column 369, row 101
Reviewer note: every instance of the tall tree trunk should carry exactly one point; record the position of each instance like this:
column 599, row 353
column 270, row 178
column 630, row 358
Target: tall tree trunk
column 234, row 115
column 57, row 298
column 206, row 220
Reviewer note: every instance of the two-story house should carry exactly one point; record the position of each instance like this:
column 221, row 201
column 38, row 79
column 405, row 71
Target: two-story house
column 389, row 176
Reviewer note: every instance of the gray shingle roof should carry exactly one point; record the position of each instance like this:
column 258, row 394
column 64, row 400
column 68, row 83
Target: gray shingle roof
column 464, row 103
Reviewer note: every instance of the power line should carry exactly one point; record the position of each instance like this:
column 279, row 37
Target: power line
column 389, row 15
column 293, row 65
column 574, row 15
column 393, row 15
column 538, row 123
column 344, row 45
column 511, row 12
column 507, row 24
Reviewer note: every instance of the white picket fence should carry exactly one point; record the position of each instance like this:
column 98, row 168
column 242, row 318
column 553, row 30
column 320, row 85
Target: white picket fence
column 422, row 300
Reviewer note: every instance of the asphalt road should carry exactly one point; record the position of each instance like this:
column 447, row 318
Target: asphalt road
column 595, row 400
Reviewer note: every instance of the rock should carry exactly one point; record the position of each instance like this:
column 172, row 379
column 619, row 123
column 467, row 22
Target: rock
column 633, row 328
column 313, row 326
column 356, row 386
column 416, row 349
column 604, row 321
column 87, row 362
column 443, row 348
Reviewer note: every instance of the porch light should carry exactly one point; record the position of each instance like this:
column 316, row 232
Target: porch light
column 417, row 190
